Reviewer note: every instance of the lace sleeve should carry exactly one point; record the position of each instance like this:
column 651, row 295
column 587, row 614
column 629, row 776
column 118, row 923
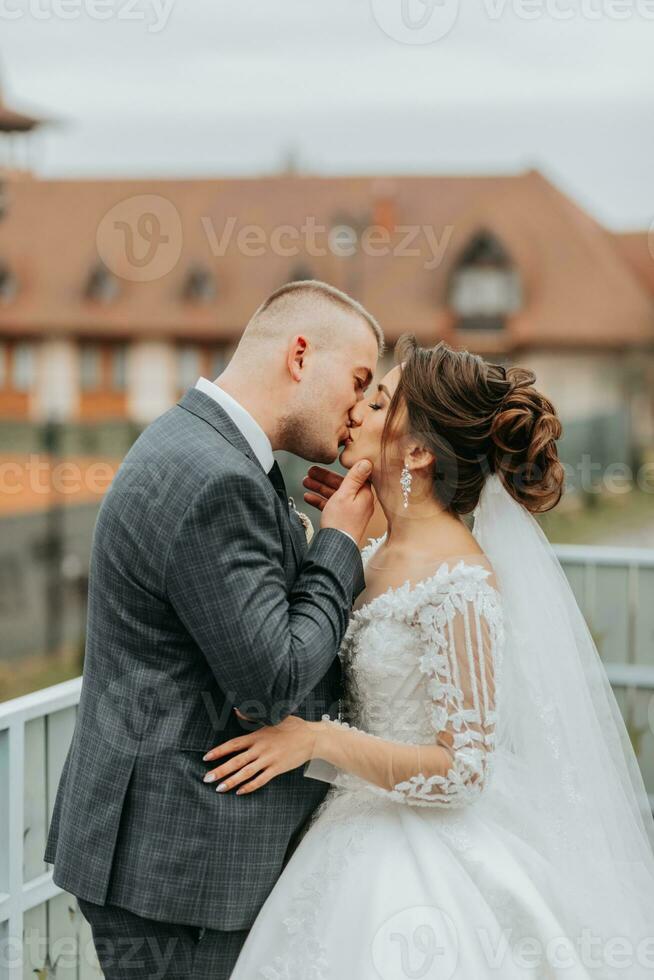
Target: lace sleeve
column 458, row 666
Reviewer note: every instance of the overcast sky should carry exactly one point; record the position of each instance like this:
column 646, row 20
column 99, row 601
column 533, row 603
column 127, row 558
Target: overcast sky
column 212, row 87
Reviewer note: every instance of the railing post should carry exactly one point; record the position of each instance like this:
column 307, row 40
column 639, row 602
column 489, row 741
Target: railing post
column 16, row 822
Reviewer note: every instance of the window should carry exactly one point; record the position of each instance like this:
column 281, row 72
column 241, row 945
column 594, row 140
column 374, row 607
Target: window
column 188, row 366
column 119, row 367
column 23, row 367
column 300, row 273
column 200, row 285
column 90, row 367
column 101, row 286
column 485, row 288
column 8, row 284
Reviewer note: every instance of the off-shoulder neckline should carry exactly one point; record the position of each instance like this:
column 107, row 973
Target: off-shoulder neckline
column 407, row 589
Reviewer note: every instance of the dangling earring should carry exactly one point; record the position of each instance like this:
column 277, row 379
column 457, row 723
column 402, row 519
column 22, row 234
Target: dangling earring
column 405, row 482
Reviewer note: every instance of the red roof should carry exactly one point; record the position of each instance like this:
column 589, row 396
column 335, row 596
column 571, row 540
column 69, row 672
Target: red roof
column 581, row 285
column 637, row 249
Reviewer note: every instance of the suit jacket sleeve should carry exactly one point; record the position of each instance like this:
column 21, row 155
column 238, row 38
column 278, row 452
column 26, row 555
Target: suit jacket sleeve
column 267, row 648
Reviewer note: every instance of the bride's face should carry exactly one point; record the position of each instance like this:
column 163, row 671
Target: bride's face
column 368, row 420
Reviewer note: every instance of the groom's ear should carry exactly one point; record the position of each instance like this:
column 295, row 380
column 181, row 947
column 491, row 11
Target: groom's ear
column 295, row 359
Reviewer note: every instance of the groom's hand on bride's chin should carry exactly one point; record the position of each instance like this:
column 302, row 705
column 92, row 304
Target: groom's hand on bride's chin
column 349, row 506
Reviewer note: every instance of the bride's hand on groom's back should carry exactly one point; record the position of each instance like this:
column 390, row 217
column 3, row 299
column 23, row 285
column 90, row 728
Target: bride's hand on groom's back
column 347, row 503
column 261, row 755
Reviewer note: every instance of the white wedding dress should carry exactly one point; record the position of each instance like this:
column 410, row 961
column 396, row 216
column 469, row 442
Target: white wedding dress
column 423, row 880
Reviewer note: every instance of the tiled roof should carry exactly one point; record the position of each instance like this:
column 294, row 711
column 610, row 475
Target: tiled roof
column 637, row 249
column 582, row 287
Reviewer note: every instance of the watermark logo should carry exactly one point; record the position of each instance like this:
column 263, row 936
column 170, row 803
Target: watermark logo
column 416, row 943
column 140, row 239
column 416, row 21
column 143, row 722
column 426, row 21
column 155, row 14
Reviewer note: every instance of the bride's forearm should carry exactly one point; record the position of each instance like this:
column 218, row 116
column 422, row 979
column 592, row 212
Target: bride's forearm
column 374, row 759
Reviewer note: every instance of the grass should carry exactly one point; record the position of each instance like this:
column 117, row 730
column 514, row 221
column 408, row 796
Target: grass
column 597, row 518
column 19, row 677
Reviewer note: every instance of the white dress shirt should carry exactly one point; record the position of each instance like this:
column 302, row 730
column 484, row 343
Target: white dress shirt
column 247, row 426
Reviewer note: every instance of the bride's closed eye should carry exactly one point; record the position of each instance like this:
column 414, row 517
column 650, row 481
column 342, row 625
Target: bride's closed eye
column 375, row 406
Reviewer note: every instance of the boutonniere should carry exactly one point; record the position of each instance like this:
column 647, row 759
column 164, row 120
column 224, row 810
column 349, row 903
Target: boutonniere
column 304, row 520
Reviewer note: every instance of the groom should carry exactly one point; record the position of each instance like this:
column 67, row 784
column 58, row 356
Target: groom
column 205, row 599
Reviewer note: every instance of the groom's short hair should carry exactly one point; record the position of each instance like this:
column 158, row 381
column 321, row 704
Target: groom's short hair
column 291, row 295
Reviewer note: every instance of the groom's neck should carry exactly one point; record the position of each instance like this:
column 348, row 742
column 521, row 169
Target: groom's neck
column 241, row 391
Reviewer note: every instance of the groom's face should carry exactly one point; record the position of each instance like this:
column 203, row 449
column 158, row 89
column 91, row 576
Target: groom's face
column 334, row 385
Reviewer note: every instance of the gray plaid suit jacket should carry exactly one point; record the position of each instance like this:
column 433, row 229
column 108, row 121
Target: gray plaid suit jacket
column 203, row 596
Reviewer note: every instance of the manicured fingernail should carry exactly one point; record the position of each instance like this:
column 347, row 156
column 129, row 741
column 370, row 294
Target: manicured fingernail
column 222, row 788
column 205, row 758
column 210, row 778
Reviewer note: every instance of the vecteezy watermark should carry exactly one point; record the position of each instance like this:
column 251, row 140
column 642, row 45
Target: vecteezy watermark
column 317, row 240
column 426, row 21
column 416, row 21
column 155, row 14
column 418, row 942
column 140, row 238
column 563, row 953
column 48, row 957
column 38, row 476
column 563, row 10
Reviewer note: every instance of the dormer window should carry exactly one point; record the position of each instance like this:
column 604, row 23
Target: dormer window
column 485, row 288
column 300, row 273
column 8, row 284
column 200, row 285
column 101, row 285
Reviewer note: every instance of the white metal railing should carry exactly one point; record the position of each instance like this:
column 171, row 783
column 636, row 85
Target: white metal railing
column 615, row 590
column 614, row 587
column 35, row 733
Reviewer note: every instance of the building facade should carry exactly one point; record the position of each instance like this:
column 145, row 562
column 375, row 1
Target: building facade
column 101, row 333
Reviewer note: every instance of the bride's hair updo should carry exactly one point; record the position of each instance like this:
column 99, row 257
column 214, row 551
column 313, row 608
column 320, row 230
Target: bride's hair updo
column 479, row 418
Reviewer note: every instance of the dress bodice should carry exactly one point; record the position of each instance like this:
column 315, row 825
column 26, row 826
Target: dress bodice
column 422, row 666
column 392, row 641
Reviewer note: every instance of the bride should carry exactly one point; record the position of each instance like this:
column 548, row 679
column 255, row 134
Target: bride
column 487, row 817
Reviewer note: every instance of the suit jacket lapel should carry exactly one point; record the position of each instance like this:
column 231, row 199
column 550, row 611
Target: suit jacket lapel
column 205, row 408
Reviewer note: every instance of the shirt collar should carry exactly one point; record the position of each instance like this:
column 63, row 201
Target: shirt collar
column 248, row 426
